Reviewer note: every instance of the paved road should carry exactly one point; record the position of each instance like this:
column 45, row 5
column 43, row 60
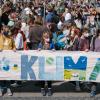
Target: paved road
column 62, row 91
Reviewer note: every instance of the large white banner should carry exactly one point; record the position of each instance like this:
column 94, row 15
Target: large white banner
column 50, row 65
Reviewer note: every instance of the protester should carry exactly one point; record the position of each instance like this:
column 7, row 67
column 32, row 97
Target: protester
column 84, row 42
column 35, row 33
column 18, row 38
column 67, row 15
column 61, row 22
column 95, row 46
column 6, row 43
column 46, row 44
column 69, row 25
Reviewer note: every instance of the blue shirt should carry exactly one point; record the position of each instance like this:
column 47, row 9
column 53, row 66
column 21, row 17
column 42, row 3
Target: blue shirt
column 50, row 48
column 49, row 17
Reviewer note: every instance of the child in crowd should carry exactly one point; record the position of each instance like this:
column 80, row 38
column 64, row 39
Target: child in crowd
column 46, row 44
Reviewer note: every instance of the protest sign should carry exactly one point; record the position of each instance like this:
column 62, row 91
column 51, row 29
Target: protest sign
column 50, row 65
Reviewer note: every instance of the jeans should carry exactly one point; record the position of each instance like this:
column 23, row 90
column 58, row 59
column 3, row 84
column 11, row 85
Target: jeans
column 93, row 88
column 4, row 84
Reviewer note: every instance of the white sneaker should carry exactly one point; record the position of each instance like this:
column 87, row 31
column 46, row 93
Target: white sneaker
column 9, row 92
column 43, row 91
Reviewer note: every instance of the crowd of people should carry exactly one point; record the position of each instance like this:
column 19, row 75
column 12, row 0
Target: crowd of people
column 71, row 25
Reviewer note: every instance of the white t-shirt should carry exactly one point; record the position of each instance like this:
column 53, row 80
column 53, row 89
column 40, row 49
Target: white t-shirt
column 66, row 32
column 19, row 41
column 59, row 25
column 78, row 23
column 91, row 20
column 27, row 11
column 25, row 29
column 67, row 16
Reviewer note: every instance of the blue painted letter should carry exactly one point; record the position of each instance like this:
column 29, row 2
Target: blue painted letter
column 80, row 65
column 96, row 71
column 57, row 75
column 26, row 67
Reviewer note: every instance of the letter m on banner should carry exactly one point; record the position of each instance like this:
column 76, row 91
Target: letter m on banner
column 70, row 64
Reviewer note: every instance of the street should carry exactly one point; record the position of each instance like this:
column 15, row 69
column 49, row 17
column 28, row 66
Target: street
column 61, row 91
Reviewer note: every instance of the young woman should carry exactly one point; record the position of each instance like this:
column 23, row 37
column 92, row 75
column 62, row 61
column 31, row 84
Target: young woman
column 80, row 43
column 95, row 46
column 6, row 43
column 46, row 44
column 84, row 42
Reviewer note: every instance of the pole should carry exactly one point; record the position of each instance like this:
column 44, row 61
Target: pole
column 44, row 12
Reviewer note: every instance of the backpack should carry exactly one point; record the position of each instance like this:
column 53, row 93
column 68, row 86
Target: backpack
column 59, row 44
